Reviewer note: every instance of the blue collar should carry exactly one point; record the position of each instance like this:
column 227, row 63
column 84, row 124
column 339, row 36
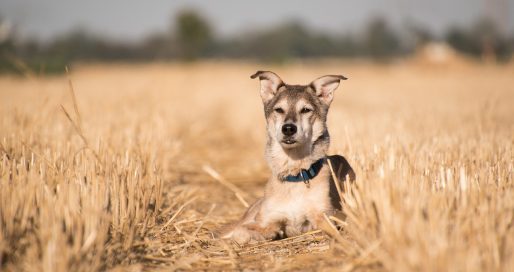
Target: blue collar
column 306, row 175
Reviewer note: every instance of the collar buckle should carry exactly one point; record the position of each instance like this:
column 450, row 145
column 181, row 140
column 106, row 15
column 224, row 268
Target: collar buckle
column 305, row 175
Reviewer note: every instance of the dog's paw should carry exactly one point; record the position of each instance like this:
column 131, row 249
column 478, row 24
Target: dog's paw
column 292, row 231
column 241, row 236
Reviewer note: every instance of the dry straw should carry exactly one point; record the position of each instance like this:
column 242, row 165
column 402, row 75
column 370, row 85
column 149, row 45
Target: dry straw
column 124, row 180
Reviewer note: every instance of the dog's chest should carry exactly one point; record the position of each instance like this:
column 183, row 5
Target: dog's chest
column 297, row 201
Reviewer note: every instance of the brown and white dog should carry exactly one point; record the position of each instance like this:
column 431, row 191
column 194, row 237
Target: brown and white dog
column 301, row 188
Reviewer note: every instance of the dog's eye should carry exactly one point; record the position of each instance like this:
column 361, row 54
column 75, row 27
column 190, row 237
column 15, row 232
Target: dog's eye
column 305, row 110
column 279, row 110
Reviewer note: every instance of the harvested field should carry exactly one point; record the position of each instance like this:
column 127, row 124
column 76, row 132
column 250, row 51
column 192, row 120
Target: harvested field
column 136, row 168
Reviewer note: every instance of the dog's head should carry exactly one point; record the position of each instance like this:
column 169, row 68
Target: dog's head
column 296, row 114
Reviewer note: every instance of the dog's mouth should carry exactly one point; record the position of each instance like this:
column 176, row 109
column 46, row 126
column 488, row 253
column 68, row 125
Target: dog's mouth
column 289, row 141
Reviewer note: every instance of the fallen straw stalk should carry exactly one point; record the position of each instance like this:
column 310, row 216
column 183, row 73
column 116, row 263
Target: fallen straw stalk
column 237, row 192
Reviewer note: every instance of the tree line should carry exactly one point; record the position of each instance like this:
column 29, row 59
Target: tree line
column 192, row 37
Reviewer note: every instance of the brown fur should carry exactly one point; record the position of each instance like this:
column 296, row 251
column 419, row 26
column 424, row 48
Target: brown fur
column 291, row 208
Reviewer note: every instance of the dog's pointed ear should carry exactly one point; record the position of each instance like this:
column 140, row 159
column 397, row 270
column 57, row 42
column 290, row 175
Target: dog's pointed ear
column 325, row 87
column 270, row 83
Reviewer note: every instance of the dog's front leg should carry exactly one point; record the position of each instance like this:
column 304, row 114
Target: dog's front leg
column 243, row 234
column 264, row 232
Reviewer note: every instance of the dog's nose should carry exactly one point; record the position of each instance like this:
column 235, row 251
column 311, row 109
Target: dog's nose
column 289, row 129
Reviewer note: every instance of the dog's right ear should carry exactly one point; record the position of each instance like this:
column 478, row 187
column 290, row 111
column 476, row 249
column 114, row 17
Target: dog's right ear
column 270, row 83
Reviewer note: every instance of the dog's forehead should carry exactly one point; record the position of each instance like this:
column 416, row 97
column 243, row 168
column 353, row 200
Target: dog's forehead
column 295, row 93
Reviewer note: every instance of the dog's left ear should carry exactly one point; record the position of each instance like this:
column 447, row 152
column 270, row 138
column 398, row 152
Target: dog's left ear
column 270, row 83
column 325, row 87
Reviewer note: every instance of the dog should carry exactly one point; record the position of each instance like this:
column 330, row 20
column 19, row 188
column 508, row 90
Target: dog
column 301, row 189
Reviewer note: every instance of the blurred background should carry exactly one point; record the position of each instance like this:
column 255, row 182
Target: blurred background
column 130, row 160
column 45, row 36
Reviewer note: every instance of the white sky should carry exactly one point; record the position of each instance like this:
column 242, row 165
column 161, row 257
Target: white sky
column 131, row 20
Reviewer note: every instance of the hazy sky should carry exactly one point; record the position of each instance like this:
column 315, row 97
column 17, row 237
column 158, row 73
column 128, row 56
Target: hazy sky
column 134, row 19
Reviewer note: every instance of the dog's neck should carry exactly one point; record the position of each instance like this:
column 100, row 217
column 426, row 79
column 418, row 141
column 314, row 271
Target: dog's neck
column 283, row 162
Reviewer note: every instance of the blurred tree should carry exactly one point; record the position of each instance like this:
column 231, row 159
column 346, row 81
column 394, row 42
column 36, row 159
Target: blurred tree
column 281, row 43
column 462, row 41
column 482, row 40
column 193, row 35
column 348, row 46
column 420, row 34
column 158, row 46
column 7, row 47
column 380, row 41
column 493, row 44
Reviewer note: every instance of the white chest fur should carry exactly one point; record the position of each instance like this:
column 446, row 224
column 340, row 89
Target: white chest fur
column 295, row 202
